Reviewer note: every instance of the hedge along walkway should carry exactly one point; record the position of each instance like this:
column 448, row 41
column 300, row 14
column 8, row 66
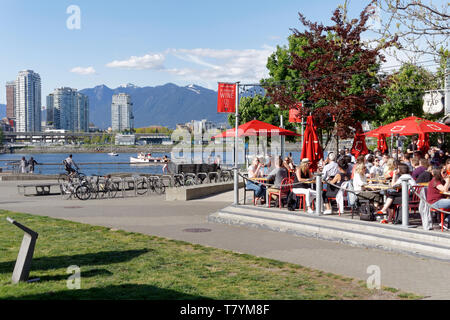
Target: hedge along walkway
column 122, row 265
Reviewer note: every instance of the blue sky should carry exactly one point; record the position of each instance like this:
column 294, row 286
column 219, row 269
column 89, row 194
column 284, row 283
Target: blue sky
column 150, row 42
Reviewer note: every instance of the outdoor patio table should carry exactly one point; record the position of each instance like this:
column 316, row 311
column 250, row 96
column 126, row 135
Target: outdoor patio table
column 377, row 187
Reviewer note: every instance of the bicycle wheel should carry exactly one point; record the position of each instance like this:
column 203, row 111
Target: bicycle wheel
column 65, row 190
column 83, row 192
column 113, row 189
column 189, row 182
column 142, row 187
column 159, row 187
column 63, row 177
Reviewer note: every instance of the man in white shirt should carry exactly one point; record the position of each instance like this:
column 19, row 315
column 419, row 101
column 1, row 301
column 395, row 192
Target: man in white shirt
column 331, row 168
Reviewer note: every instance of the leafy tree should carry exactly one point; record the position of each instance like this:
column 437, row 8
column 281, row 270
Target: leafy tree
column 404, row 95
column 331, row 70
column 422, row 27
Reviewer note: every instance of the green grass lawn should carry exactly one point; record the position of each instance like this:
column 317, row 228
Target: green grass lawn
column 124, row 265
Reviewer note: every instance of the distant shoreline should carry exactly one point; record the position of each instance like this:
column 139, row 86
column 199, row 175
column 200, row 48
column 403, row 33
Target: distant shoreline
column 118, row 149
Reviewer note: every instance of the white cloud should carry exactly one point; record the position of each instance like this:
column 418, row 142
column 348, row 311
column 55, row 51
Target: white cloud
column 213, row 65
column 83, row 71
column 148, row 61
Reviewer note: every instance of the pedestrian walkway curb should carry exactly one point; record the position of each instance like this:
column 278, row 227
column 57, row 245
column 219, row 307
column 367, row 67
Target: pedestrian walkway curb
column 353, row 232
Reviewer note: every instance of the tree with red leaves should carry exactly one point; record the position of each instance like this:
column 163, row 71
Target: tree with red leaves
column 332, row 71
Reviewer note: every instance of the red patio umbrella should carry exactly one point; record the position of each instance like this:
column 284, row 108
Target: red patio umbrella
column 311, row 148
column 256, row 128
column 409, row 126
column 423, row 143
column 382, row 144
column 359, row 146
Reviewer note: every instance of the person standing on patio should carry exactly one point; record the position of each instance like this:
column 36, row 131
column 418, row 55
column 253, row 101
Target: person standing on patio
column 303, row 173
column 412, row 146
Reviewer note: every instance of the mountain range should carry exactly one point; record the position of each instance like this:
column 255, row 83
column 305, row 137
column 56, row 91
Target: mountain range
column 165, row 105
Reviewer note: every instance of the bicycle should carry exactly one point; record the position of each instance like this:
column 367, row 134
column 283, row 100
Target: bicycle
column 76, row 174
column 153, row 183
column 184, row 180
column 97, row 189
column 68, row 189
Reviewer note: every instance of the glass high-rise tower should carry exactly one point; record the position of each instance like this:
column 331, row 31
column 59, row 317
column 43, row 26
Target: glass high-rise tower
column 121, row 112
column 28, row 102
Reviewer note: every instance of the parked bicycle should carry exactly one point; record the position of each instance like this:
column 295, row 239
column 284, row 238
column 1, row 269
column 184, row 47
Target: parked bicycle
column 153, row 184
column 97, row 187
column 184, row 180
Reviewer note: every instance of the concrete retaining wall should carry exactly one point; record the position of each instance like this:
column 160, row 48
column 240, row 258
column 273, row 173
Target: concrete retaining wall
column 199, row 191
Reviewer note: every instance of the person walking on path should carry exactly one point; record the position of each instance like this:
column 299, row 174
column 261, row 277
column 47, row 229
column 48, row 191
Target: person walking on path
column 31, row 164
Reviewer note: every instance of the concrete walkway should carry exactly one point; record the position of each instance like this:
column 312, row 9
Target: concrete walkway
column 154, row 216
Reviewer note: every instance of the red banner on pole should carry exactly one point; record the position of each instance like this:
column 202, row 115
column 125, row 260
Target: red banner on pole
column 294, row 113
column 226, row 98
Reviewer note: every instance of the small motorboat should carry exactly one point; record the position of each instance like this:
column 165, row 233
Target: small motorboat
column 145, row 158
column 113, row 154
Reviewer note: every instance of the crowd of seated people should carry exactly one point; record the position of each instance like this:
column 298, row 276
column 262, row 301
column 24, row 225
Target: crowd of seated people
column 432, row 168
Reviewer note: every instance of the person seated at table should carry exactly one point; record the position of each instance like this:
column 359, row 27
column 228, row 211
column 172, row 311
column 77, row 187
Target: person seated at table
column 278, row 174
column 256, row 171
column 333, row 185
column 303, row 174
column 330, row 168
column 376, row 169
column 350, row 164
column 390, row 168
column 439, row 184
column 369, row 162
column 427, row 175
column 394, row 196
column 359, row 183
column 406, row 159
column 447, row 166
column 418, row 167
column 360, row 160
column 288, row 164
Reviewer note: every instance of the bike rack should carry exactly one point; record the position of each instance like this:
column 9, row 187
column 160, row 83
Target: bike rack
column 214, row 174
column 201, row 174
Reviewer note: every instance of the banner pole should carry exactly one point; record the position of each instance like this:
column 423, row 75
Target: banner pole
column 236, row 176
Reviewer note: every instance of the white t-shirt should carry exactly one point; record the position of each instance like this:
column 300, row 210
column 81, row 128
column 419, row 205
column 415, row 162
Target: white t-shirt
column 359, row 181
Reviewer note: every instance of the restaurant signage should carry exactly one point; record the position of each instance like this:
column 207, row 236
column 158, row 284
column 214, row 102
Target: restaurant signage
column 433, row 102
column 294, row 113
column 226, row 98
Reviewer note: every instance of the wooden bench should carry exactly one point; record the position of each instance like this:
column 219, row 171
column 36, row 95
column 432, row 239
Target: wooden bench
column 41, row 189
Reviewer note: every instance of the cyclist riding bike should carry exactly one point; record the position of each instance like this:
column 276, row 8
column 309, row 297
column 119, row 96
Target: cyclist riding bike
column 70, row 165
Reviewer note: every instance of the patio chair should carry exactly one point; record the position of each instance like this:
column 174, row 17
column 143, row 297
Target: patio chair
column 283, row 192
